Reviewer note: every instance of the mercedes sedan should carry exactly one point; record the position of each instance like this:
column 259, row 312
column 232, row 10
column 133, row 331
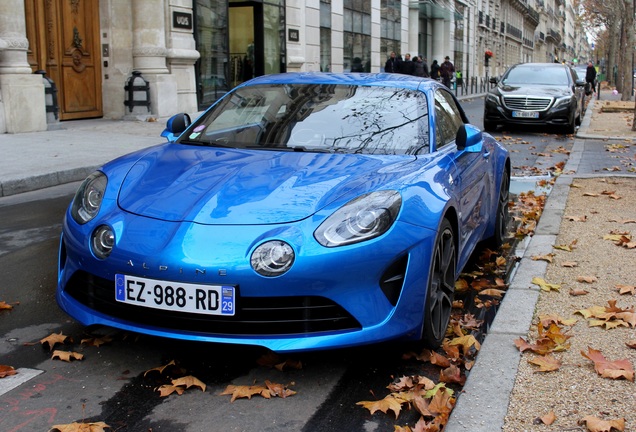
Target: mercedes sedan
column 299, row 212
column 536, row 94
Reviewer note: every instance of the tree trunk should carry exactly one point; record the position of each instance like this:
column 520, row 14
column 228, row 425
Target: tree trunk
column 628, row 54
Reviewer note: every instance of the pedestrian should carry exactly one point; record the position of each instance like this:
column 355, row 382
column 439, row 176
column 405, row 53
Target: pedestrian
column 407, row 67
column 590, row 78
column 435, row 70
column 447, row 71
column 391, row 65
column 419, row 69
column 425, row 66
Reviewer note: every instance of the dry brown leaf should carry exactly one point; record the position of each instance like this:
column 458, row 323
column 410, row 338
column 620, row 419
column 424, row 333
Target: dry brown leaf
column 54, row 339
column 80, row 427
column 626, row 289
column 5, row 306
column 569, row 264
column 389, row 403
column 548, row 257
column 548, row 418
column 188, row 381
column 546, row 363
column 631, row 343
column 67, row 355
column 576, row 218
column 172, row 365
column 168, row 389
column 279, row 390
column 96, row 341
column 595, row 424
column 244, row 391
column 586, row 279
column 466, row 342
column 609, row 369
column 578, row 292
column 6, row 371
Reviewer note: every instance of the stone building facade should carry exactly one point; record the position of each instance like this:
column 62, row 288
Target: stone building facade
column 190, row 52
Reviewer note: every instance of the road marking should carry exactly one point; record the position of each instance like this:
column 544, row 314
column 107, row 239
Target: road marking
column 9, row 383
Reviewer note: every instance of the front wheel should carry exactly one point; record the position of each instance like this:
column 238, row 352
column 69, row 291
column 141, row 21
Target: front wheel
column 441, row 287
column 502, row 219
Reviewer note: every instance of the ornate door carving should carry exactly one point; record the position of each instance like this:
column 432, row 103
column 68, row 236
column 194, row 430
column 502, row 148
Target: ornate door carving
column 64, row 40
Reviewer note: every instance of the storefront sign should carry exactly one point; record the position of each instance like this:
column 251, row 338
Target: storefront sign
column 293, row 35
column 182, row 20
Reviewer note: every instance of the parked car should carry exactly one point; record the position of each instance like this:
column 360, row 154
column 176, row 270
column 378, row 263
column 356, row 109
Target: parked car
column 536, row 94
column 302, row 211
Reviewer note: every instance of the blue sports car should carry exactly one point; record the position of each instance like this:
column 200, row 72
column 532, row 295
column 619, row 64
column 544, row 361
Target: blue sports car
column 301, row 211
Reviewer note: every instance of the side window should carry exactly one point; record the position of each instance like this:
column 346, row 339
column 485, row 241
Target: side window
column 448, row 116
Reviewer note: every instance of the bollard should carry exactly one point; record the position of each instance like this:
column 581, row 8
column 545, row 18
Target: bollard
column 137, row 92
column 50, row 98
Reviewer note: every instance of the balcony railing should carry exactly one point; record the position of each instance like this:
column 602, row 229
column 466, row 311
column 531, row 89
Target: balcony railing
column 532, row 15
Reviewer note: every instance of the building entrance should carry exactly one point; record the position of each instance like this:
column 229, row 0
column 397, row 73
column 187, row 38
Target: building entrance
column 64, row 41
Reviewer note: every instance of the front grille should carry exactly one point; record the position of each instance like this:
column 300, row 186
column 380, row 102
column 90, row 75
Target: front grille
column 526, row 103
column 254, row 315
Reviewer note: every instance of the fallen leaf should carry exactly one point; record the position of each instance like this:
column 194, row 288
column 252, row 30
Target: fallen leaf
column 546, row 363
column 389, row 403
column 576, row 218
column 466, row 342
column 544, row 285
column 548, row 257
column 548, row 418
column 452, row 374
column 188, row 381
column 67, row 355
column 569, row 264
column 594, row 424
column 5, row 306
column 80, row 427
column 578, row 292
column 631, row 343
column 244, row 391
column 97, row 341
column 279, row 390
column 275, row 361
column 493, row 292
column 587, row 279
column 609, row 369
column 6, row 371
column 168, row 389
column 626, row 289
column 172, row 365
column 54, row 339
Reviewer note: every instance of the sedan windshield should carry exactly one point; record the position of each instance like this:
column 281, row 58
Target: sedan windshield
column 317, row 118
column 539, row 75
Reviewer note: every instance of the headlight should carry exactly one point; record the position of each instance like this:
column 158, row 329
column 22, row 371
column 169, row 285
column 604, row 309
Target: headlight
column 361, row 219
column 492, row 98
column 102, row 241
column 272, row 258
column 88, row 198
column 562, row 101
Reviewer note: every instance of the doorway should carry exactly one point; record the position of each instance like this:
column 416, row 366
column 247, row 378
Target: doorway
column 64, row 42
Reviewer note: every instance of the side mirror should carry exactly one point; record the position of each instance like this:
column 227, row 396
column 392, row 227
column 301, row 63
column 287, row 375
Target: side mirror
column 580, row 83
column 175, row 126
column 468, row 138
column 494, row 80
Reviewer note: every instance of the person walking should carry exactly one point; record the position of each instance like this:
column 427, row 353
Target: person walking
column 392, row 65
column 447, row 71
column 421, row 68
column 590, row 78
column 435, row 70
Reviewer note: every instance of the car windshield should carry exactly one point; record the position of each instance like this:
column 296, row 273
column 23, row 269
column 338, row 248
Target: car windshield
column 538, row 75
column 317, row 118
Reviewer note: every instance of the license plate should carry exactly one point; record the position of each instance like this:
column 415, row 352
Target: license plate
column 525, row 114
column 175, row 296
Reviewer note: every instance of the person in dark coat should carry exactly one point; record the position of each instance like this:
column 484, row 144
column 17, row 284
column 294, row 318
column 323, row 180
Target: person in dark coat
column 392, row 65
column 590, row 77
column 407, row 67
column 447, row 70
column 421, row 68
column 435, row 70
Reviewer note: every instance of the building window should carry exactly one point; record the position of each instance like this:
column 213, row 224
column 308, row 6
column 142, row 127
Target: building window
column 390, row 28
column 325, row 35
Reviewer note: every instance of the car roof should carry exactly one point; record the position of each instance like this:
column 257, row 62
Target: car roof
column 547, row 65
column 366, row 79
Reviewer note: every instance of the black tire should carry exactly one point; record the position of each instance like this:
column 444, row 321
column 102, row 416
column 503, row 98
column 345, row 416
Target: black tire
column 441, row 287
column 503, row 213
column 490, row 126
column 571, row 127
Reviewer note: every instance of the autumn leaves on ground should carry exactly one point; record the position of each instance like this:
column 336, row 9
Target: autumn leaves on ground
column 577, row 366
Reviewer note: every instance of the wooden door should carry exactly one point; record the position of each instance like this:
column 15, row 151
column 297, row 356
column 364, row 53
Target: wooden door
column 64, row 41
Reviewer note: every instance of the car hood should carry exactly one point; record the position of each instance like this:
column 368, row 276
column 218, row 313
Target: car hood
column 534, row 90
column 230, row 186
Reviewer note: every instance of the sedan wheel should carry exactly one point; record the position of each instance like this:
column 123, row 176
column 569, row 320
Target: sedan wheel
column 441, row 287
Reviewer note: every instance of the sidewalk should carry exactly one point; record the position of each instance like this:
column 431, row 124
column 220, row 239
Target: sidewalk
column 503, row 391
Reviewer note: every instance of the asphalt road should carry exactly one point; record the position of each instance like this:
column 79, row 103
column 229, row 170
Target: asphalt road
column 110, row 384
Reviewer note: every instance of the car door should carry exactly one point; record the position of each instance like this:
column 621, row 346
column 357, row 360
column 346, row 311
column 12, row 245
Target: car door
column 472, row 171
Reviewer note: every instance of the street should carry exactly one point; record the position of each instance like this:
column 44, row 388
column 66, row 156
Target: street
column 113, row 383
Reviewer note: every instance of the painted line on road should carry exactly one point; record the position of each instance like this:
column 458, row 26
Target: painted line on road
column 9, row 383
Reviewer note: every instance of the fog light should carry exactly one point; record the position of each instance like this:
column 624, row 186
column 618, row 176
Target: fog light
column 272, row 258
column 102, row 241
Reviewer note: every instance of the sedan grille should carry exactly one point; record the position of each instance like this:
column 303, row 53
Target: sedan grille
column 527, row 103
column 254, row 315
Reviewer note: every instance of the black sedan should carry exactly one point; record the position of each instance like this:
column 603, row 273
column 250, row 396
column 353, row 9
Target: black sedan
column 541, row 94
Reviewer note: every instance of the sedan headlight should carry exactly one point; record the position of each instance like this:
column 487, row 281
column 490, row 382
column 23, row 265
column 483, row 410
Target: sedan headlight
column 492, row 98
column 361, row 219
column 272, row 258
column 562, row 101
column 88, row 198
